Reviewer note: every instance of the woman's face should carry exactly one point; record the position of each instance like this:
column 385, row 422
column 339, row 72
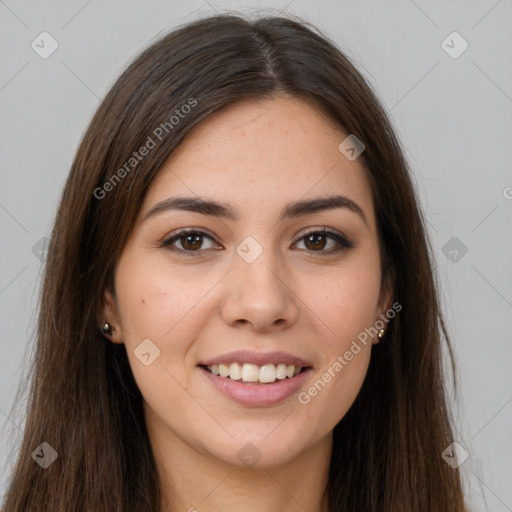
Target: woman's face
column 260, row 277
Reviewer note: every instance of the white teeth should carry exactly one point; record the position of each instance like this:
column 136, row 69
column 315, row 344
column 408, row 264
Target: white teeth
column 267, row 373
column 250, row 373
column 281, row 371
column 235, row 371
column 224, row 370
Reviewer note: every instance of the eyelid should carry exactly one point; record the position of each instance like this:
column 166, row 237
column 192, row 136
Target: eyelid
column 167, row 242
column 323, row 229
column 343, row 241
column 186, row 231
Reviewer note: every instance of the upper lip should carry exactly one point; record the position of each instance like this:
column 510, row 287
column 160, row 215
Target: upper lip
column 257, row 358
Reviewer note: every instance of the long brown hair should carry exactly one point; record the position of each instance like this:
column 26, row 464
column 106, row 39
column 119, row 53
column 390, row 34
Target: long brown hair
column 83, row 400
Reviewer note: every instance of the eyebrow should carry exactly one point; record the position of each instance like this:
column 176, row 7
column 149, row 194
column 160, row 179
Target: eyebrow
column 291, row 210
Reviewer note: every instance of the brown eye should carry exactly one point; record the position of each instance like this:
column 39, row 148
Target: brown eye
column 315, row 241
column 325, row 242
column 190, row 241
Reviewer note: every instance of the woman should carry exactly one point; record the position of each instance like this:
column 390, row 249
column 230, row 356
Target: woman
column 237, row 236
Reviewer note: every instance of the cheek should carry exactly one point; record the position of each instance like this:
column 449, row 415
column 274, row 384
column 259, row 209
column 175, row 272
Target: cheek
column 332, row 393
column 163, row 305
column 344, row 302
column 346, row 349
column 345, row 299
column 154, row 299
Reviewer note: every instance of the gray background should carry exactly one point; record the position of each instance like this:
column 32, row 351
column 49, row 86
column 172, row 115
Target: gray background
column 453, row 116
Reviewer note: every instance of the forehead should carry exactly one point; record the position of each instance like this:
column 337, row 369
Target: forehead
column 258, row 155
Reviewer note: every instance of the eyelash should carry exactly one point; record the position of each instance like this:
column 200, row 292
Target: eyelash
column 342, row 241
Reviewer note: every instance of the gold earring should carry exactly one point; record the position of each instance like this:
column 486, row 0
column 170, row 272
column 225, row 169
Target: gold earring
column 381, row 333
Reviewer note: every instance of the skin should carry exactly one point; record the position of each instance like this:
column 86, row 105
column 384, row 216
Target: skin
column 257, row 157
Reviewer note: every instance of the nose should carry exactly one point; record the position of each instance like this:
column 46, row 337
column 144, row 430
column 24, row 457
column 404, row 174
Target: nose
column 260, row 294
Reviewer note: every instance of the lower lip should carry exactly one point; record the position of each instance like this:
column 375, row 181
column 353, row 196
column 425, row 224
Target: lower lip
column 257, row 394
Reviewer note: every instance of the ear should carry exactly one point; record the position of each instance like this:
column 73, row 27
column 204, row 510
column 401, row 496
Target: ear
column 109, row 312
column 385, row 300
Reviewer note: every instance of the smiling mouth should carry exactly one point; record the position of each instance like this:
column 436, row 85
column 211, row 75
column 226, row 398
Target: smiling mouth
column 254, row 374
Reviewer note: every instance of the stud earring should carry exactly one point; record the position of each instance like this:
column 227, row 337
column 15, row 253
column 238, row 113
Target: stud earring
column 381, row 333
column 107, row 330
